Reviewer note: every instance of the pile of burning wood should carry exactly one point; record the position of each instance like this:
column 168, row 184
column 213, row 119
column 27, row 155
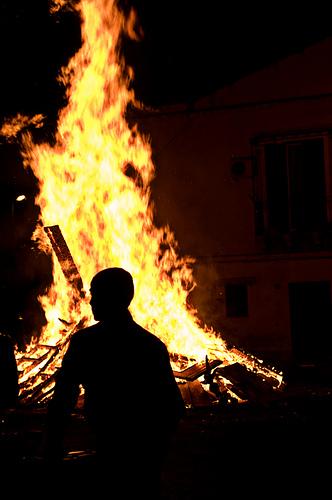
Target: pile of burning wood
column 201, row 383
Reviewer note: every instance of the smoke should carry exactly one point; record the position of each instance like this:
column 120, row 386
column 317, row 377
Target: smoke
column 206, row 297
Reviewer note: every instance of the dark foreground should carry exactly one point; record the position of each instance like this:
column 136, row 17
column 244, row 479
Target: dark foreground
column 282, row 447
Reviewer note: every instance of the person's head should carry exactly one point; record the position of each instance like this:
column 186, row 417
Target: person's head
column 112, row 290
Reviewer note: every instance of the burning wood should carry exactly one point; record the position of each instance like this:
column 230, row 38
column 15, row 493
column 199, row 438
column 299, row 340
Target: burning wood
column 37, row 379
column 248, row 385
column 38, row 368
column 65, row 258
column 197, row 370
column 107, row 219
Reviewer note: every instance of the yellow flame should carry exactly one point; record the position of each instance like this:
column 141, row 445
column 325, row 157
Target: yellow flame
column 105, row 215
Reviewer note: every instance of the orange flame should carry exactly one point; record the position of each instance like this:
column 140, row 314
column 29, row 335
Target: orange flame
column 11, row 127
column 105, row 216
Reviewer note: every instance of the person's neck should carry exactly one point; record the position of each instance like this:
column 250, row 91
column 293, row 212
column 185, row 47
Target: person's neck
column 118, row 316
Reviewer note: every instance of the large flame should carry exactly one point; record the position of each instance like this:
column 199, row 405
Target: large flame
column 105, row 215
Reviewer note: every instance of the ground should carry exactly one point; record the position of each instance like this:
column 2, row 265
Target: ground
column 280, row 447
column 283, row 448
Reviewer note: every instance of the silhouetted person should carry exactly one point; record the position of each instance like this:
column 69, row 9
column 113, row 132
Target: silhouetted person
column 8, row 373
column 132, row 400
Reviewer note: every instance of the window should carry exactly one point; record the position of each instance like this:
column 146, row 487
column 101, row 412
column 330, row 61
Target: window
column 310, row 319
column 236, row 299
column 295, row 186
column 292, row 192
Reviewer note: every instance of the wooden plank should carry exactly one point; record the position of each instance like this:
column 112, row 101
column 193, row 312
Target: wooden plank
column 247, row 384
column 194, row 395
column 64, row 257
column 197, row 370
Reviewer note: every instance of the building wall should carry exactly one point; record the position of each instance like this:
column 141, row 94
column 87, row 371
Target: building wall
column 212, row 211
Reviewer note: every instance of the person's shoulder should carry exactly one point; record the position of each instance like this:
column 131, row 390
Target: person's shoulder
column 84, row 335
column 150, row 338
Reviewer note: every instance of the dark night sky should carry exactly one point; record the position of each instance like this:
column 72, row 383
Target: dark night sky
column 192, row 48
column 189, row 49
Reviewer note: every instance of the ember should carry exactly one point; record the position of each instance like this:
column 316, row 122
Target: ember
column 106, row 218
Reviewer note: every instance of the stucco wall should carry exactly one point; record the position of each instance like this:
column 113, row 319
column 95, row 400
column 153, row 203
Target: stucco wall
column 212, row 212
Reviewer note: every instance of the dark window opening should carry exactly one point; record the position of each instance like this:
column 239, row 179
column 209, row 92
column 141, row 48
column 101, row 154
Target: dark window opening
column 295, row 185
column 236, row 296
column 311, row 320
